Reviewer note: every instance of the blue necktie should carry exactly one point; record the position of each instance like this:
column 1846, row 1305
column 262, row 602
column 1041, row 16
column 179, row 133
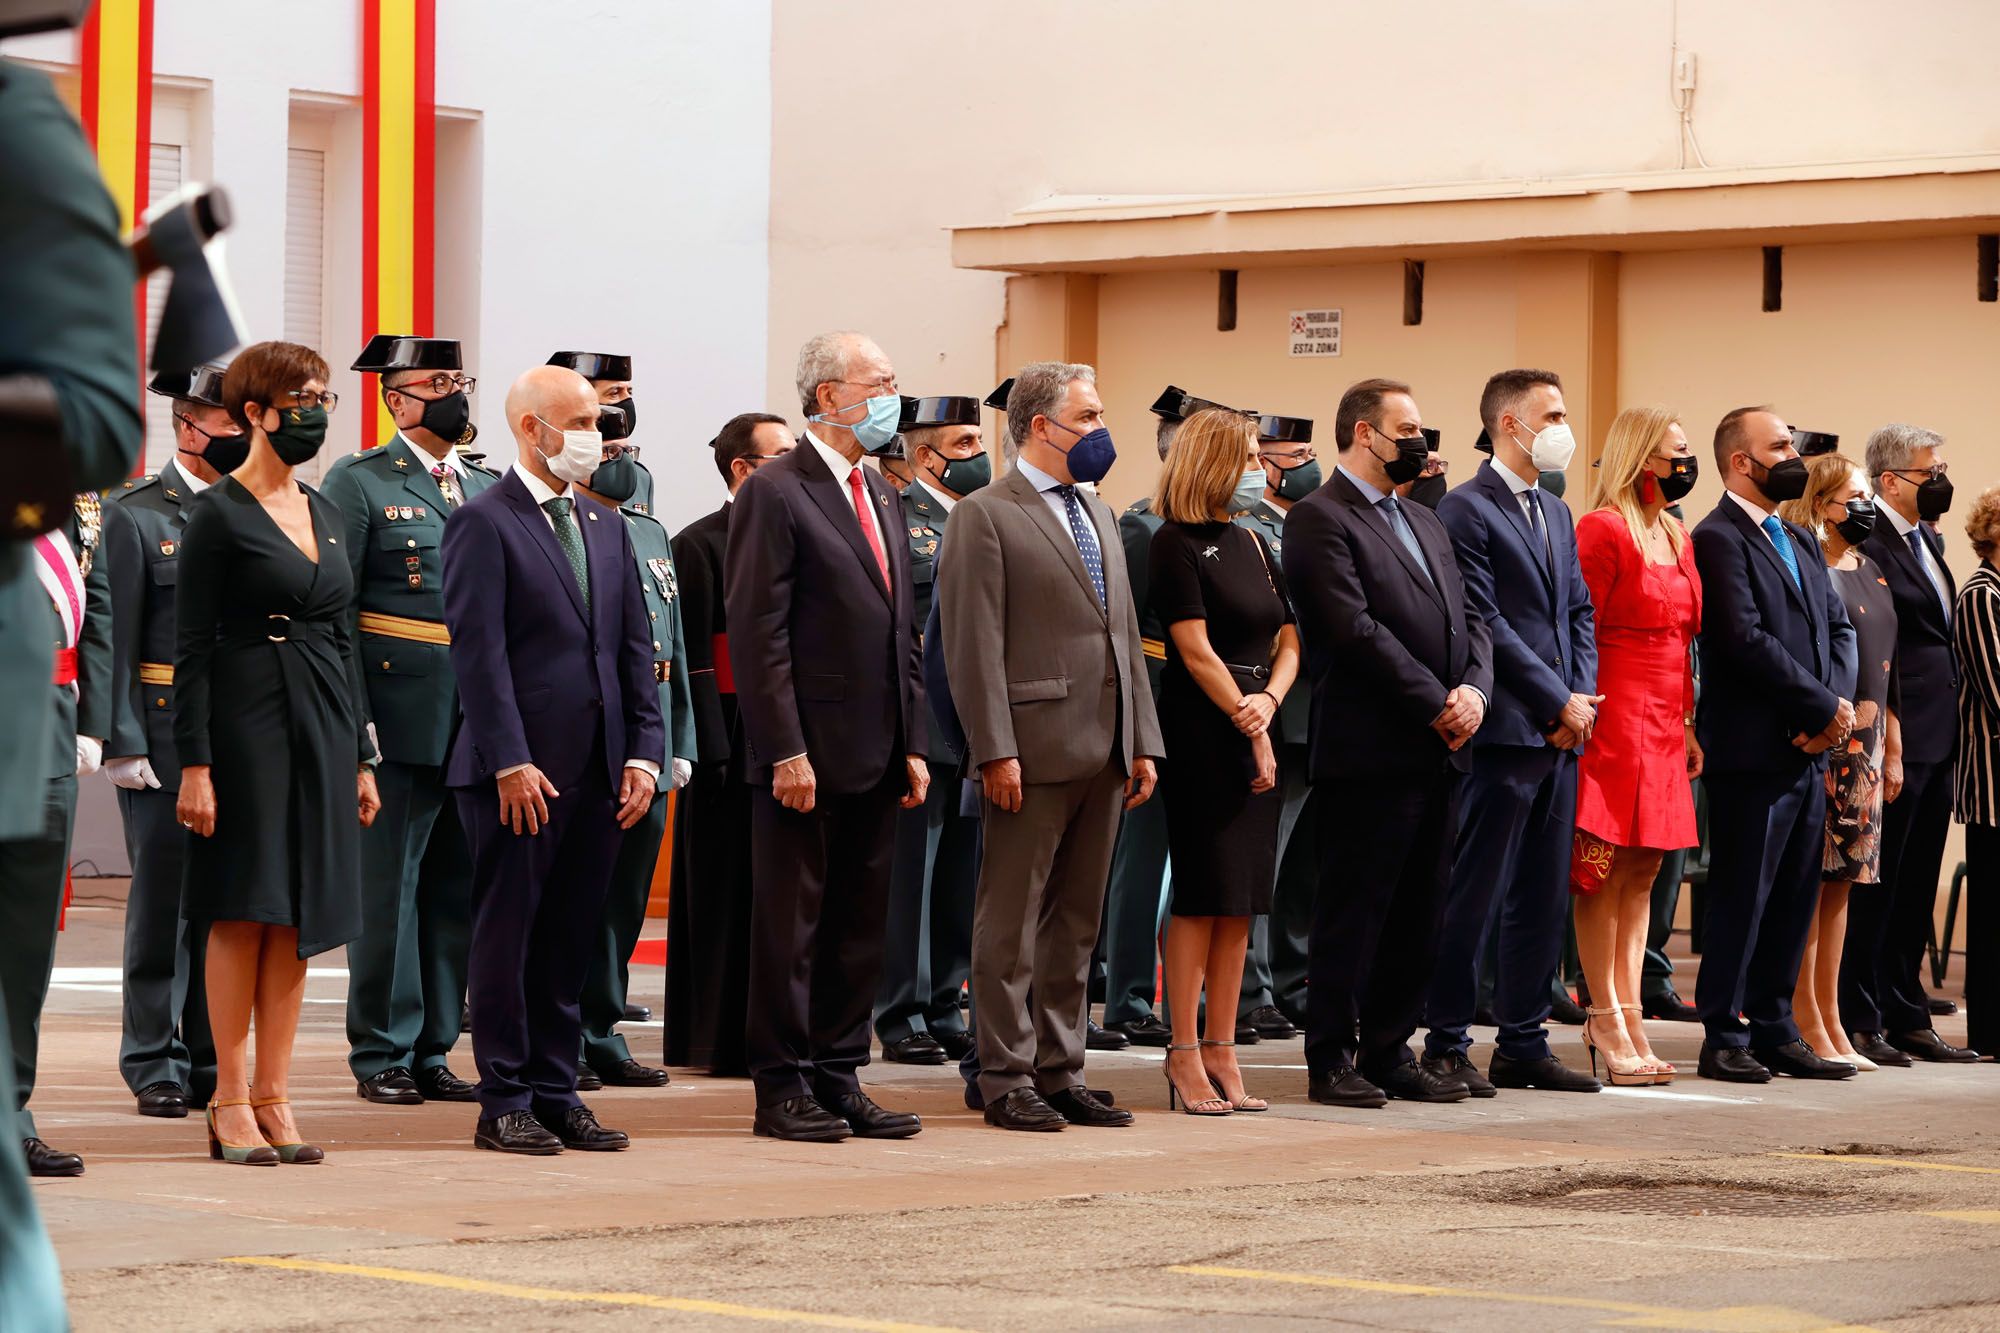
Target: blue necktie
column 1086, row 540
column 1917, row 545
column 1399, row 524
column 1783, row 541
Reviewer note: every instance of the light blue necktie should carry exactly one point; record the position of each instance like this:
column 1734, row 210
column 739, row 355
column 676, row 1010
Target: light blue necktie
column 1783, row 541
column 1086, row 540
column 1399, row 524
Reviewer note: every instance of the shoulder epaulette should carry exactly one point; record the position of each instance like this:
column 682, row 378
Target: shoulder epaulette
column 1140, row 508
column 132, row 486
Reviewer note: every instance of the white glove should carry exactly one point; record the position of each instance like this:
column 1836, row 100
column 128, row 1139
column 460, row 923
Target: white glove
column 134, row 773
column 683, row 770
column 89, row 755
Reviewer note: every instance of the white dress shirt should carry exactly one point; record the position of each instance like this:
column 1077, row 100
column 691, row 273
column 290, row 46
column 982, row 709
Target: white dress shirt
column 188, row 479
column 937, row 495
column 836, row 463
column 430, row 460
column 1045, row 486
column 1904, row 528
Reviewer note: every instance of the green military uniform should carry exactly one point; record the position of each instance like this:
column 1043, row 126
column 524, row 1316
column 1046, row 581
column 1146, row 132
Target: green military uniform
column 927, row 937
column 406, row 974
column 609, row 979
column 1274, row 972
column 165, row 1037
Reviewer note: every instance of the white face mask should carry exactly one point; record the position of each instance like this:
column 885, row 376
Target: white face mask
column 581, row 452
column 1552, row 448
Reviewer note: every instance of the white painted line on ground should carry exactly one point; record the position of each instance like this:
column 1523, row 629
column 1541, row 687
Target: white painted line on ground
column 1660, row 1094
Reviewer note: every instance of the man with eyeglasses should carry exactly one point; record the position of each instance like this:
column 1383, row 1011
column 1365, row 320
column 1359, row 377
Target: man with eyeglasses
column 622, row 483
column 708, row 914
column 406, row 974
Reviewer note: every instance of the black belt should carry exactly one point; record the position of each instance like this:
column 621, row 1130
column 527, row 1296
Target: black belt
column 1254, row 672
column 274, row 629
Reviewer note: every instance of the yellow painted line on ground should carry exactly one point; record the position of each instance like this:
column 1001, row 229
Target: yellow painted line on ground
column 1731, row 1319
column 644, row 1300
column 1988, row 1216
column 1887, row 1161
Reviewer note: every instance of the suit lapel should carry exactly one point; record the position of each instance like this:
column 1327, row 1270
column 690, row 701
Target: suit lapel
column 830, row 494
column 174, row 484
column 1502, row 497
column 1377, row 522
column 1030, row 499
column 536, row 523
column 1760, row 541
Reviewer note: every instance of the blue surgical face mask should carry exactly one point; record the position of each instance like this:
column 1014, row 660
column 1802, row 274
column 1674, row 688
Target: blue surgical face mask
column 1249, row 490
column 877, row 428
column 1091, row 457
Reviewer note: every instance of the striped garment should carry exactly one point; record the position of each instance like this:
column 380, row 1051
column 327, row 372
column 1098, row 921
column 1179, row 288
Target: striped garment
column 1975, row 633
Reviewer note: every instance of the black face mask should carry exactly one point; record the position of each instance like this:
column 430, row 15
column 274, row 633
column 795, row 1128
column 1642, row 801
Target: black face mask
column 1679, row 480
column 1934, row 499
column 1408, row 464
column 445, row 417
column 1781, row 482
column 615, row 421
column 1860, row 521
column 224, row 453
column 1428, row 491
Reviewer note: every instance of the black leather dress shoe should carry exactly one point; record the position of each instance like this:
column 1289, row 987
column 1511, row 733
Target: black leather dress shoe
column 973, row 1100
column 632, row 1074
column 166, row 1100
column 587, row 1079
column 1941, row 1007
column 1669, row 1007
column 1023, row 1108
column 800, row 1120
column 916, row 1049
column 1096, row 1038
column 1567, row 1011
column 578, row 1129
column 869, row 1121
column 1270, row 1024
column 1731, row 1064
column 1928, row 1045
column 439, row 1084
column 46, row 1161
column 1080, row 1106
column 1246, row 1033
column 1455, row 1068
column 1797, row 1059
column 391, row 1087
column 1411, row 1082
column 1876, row 1047
column 1345, row 1087
column 1146, row 1031
column 1547, row 1074
column 957, row 1043
column 516, row 1131
column 636, row 1013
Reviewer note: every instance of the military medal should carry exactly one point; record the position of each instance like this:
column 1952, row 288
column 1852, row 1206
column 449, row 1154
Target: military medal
column 389, row 512
column 406, row 512
column 420, row 511
column 166, row 548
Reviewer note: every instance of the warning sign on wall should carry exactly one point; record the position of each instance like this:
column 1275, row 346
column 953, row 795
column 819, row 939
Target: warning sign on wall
column 1314, row 333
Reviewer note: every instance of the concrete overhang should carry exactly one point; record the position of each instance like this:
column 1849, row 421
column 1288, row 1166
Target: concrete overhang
column 1699, row 209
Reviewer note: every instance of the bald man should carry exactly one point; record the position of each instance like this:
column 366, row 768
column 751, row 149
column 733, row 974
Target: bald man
column 557, row 751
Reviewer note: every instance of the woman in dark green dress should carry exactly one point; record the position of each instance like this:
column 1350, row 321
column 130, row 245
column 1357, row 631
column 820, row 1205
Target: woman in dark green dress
column 274, row 780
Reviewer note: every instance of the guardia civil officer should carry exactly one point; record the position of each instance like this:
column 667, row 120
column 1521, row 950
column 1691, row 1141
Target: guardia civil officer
column 927, row 947
column 165, row 1052
column 406, row 974
column 622, row 483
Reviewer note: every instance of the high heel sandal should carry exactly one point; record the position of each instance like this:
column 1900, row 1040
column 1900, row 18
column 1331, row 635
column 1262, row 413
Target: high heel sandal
column 1248, row 1103
column 1207, row 1105
column 1663, row 1071
column 260, row 1154
column 291, row 1154
column 1619, row 1071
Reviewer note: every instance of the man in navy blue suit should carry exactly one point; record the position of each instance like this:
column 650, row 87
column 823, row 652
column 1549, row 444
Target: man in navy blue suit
column 1778, row 666
column 557, row 750
column 1516, row 548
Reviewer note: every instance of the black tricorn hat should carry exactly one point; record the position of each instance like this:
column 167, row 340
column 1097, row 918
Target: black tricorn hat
column 1812, row 443
column 1484, row 444
column 595, row 365
column 947, row 411
column 1272, row 429
column 1177, row 404
column 997, row 400
column 395, row 351
column 1432, row 435
column 203, row 385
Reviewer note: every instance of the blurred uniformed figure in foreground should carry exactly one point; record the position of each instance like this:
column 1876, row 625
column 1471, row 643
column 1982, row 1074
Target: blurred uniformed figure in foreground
column 624, row 484
column 406, row 974
column 927, row 946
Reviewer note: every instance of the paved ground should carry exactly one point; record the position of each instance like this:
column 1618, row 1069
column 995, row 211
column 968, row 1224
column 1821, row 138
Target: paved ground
column 1874, row 1203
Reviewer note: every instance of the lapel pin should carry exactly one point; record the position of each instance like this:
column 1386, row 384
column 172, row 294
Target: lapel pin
column 402, row 462
column 173, row 494
column 591, row 517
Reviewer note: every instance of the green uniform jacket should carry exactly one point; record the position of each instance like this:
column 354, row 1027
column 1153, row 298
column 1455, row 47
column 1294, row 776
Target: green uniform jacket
column 658, row 580
column 1265, row 519
column 924, row 519
column 142, row 547
column 395, row 521
column 66, row 285
column 1136, row 528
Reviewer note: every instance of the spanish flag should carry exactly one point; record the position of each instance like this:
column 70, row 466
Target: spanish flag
column 115, row 56
column 398, row 195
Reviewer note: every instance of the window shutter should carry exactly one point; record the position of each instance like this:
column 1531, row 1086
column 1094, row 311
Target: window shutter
column 305, row 246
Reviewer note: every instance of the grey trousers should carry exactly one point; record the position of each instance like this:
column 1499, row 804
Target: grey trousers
column 1034, row 923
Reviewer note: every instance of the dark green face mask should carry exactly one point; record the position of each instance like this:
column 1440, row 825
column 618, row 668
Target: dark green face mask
column 963, row 476
column 300, row 433
column 618, row 480
column 1296, row 483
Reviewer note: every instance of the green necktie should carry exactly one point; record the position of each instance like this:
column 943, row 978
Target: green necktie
column 572, row 543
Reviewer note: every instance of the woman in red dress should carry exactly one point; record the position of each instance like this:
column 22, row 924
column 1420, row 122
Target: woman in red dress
column 1634, row 802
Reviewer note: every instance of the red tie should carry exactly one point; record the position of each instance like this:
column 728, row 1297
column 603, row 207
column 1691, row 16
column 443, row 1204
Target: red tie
column 868, row 525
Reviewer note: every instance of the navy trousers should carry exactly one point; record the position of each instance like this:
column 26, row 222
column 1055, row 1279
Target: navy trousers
column 1766, row 839
column 1888, row 925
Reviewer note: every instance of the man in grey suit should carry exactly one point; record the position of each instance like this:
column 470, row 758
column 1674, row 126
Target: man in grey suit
column 1041, row 640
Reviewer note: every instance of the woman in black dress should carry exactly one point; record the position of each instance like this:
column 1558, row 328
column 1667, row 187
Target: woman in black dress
column 1232, row 653
column 271, row 743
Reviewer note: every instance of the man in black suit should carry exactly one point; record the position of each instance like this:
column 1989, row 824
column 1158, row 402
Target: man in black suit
column 1401, row 668
column 1778, row 666
column 829, row 682
column 1882, row 998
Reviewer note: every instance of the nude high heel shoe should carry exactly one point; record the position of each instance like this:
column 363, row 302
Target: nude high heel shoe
column 1663, row 1072
column 1619, row 1071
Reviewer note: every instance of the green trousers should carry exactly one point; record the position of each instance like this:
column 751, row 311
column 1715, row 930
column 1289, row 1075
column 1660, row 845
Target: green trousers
column 31, row 898
column 606, row 984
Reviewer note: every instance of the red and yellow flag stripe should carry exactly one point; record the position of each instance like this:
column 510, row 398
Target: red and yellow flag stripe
column 116, row 57
column 398, row 197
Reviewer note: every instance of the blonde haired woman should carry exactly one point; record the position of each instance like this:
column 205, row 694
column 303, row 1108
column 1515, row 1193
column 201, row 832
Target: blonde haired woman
column 1634, row 803
column 1867, row 768
column 1232, row 653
